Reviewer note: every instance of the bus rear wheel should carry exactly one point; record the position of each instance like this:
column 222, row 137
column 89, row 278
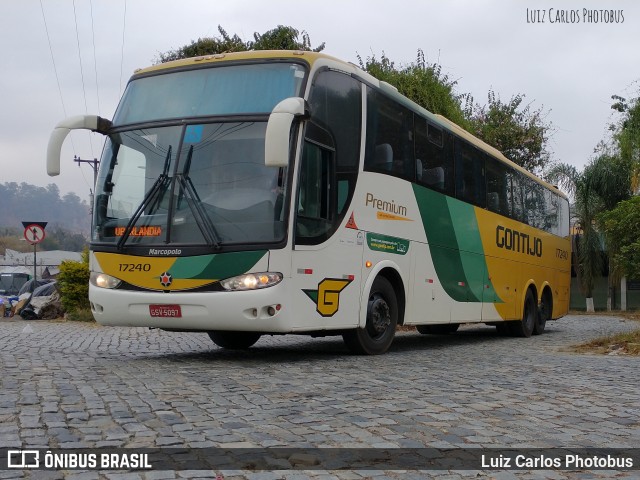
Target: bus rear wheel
column 234, row 340
column 524, row 327
column 382, row 318
column 544, row 312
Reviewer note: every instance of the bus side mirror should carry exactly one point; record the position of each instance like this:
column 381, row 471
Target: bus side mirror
column 277, row 141
column 62, row 129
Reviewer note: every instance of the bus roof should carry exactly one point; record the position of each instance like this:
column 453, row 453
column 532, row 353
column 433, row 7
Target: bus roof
column 311, row 58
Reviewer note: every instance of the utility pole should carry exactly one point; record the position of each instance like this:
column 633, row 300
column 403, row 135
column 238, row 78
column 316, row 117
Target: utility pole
column 94, row 164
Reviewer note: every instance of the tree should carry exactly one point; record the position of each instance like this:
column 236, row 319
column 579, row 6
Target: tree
column 26, row 202
column 517, row 130
column 422, row 82
column 621, row 226
column 279, row 38
column 283, row 38
column 60, row 239
column 603, row 183
column 627, row 136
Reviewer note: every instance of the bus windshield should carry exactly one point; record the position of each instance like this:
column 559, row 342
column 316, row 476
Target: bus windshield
column 221, row 90
column 215, row 191
column 181, row 169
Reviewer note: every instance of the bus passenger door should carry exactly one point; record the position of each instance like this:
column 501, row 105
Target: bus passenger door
column 327, row 254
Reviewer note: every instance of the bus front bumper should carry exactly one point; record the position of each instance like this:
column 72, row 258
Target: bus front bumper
column 262, row 310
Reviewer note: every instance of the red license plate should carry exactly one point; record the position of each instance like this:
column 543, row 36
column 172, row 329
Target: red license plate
column 173, row 311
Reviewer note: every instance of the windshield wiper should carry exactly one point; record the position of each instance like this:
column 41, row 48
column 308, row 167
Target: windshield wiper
column 203, row 221
column 150, row 200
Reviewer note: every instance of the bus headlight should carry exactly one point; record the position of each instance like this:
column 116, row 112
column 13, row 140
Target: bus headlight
column 103, row 280
column 251, row 281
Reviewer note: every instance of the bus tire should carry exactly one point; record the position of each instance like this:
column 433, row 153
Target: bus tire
column 544, row 312
column 443, row 329
column 382, row 318
column 234, row 340
column 524, row 327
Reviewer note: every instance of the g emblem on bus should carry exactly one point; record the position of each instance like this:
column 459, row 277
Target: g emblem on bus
column 327, row 296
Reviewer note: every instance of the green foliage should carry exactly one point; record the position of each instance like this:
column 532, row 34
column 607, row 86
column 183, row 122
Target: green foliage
column 81, row 315
column 12, row 238
column 74, row 284
column 627, row 136
column 621, row 226
column 58, row 238
column 279, row 38
column 603, row 183
column 517, row 130
column 422, row 82
column 609, row 178
column 26, row 202
column 283, row 38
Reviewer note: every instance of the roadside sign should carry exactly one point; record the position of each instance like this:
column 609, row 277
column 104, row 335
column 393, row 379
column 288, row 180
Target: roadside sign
column 34, row 233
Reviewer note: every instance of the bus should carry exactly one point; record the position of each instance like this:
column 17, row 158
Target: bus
column 288, row 192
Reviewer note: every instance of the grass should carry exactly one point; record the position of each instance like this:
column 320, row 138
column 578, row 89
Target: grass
column 627, row 343
column 620, row 344
column 80, row 315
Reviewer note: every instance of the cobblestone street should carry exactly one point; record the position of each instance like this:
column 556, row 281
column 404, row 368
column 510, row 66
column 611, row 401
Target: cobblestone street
column 76, row 385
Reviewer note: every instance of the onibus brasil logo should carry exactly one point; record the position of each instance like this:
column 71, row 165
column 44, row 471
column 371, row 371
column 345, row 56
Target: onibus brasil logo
column 327, row 296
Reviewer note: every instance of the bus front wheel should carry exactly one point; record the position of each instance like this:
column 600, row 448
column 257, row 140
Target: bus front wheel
column 382, row 318
column 234, row 340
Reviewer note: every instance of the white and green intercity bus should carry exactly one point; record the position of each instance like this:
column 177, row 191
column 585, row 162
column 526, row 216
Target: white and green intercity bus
column 274, row 192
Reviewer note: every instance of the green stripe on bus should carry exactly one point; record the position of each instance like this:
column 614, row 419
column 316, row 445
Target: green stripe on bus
column 216, row 267
column 455, row 245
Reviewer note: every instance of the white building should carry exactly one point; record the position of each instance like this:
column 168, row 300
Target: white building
column 47, row 263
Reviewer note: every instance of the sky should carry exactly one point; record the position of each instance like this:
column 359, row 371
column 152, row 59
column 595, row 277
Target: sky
column 71, row 57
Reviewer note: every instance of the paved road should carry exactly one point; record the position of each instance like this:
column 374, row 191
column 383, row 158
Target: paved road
column 75, row 385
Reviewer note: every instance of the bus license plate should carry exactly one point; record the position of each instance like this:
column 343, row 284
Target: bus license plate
column 173, row 311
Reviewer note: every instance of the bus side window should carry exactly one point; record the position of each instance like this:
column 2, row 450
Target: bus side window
column 517, row 196
column 433, row 162
column 497, row 187
column 470, row 185
column 390, row 148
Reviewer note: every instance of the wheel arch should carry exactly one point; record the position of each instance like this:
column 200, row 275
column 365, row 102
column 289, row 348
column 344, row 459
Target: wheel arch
column 391, row 272
column 547, row 290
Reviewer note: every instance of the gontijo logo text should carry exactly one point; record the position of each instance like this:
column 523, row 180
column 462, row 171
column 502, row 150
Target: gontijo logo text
column 518, row 242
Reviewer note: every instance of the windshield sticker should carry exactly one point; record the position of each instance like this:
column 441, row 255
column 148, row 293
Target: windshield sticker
column 153, row 139
column 193, row 134
column 384, row 243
